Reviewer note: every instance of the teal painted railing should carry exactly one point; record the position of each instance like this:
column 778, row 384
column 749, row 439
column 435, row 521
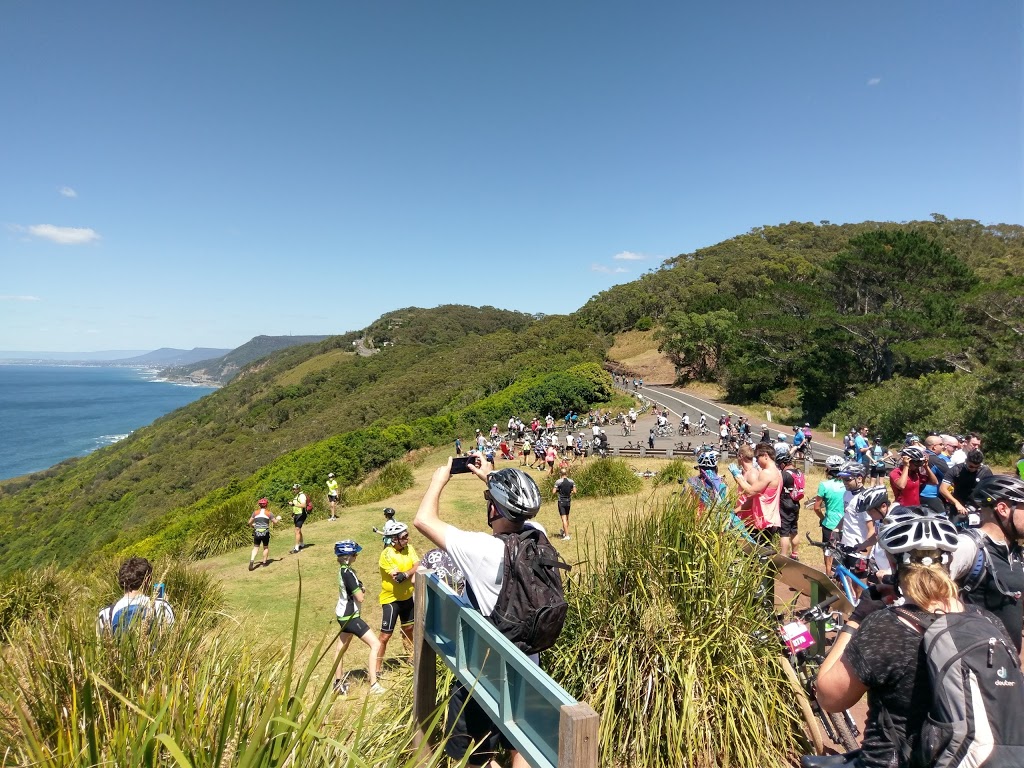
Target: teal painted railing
column 547, row 725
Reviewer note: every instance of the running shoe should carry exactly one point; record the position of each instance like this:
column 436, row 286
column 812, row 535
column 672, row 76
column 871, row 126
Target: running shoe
column 377, row 689
column 340, row 688
column 252, row 566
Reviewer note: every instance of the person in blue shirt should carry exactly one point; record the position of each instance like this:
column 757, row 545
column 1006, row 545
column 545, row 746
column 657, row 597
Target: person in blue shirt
column 862, row 448
column 936, row 461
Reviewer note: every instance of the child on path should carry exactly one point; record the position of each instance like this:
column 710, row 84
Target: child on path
column 261, row 520
column 350, row 597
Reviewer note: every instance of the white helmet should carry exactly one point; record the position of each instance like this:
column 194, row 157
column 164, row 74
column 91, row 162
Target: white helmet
column 920, row 532
column 832, row 463
column 393, row 528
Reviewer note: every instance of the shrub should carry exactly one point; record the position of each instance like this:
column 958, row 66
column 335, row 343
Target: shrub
column 661, row 640
column 42, row 592
column 606, row 477
column 673, row 472
column 392, row 479
column 224, row 529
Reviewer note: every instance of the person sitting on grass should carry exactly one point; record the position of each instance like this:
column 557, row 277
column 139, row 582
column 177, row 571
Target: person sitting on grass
column 261, row 521
column 350, row 597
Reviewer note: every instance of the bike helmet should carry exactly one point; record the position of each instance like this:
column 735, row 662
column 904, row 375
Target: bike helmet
column 922, row 532
column 296, row 487
column 263, row 502
column 514, row 493
column 389, row 513
column 346, row 547
column 393, row 528
column 444, row 567
column 913, row 453
column 330, row 474
column 996, row 488
column 851, row 469
column 832, row 463
column 708, row 460
column 782, row 456
column 782, row 437
column 872, row 498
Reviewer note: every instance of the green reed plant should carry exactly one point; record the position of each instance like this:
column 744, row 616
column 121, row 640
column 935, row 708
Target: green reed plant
column 606, row 477
column 224, row 529
column 26, row 593
column 661, row 640
column 392, row 479
column 674, row 471
column 188, row 696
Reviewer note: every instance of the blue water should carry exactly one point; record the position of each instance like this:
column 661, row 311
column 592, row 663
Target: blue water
column 51, row 413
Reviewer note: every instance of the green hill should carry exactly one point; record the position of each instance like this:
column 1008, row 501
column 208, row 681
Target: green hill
column 220, row 370
column 295, row 416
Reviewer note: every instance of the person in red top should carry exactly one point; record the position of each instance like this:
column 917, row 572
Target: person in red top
column 906, row 480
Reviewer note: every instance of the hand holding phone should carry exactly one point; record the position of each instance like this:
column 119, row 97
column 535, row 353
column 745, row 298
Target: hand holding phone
column 460, row 464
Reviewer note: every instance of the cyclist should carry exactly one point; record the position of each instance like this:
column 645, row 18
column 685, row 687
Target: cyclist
column 332, row 495
column 959, row 482
column 397, row 564
column 828, row 503
column 798, row 441
column 937, row 463
column 855, row 522
column 789, row 507
column 298, row 505
column 564, row 489
column 995, row 580
column 350, row 597
column 261, row 520
column 702, row 424
column 879, row 453
column 684, row 429
column 879, row 654
column 780, row 443
column 808, row 436
column 873, row 504
column 708, row 485
column 907, row 478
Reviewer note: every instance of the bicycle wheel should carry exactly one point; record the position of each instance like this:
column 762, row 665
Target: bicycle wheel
column 843, row 733
column 811, row 728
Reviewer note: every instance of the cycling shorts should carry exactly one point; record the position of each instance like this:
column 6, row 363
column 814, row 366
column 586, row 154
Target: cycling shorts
column 858, row 564
column 790, row 518
column 563, row 507
column 261, row 537
column 332, row 497
column 391, row 613
column 299, row 519
column 354, row 626
column 877, row 472
column 827, row 535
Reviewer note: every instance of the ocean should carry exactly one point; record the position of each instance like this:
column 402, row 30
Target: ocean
column 49, row 413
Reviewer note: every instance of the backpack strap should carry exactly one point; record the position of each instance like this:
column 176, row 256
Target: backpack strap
column 983, row 567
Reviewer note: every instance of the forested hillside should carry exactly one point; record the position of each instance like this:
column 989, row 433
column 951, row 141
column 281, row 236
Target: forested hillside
column 222, row 369
column 295, row 416
column 933, row 309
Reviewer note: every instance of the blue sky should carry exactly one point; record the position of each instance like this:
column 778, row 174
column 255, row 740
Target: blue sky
column 195, row 174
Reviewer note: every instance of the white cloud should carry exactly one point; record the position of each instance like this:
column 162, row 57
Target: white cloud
column 607, row 270
column 68, row 192
column 64, row 235
column 874, row 81
column 19, row 298
column 629, row 256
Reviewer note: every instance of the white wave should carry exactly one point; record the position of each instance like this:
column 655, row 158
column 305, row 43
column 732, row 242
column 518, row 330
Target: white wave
column 103, row 440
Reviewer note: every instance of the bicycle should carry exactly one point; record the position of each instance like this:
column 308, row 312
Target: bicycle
column 841, row 575
column 646, row 474
column 633, row 446
column 684, row 446
column 799, row 667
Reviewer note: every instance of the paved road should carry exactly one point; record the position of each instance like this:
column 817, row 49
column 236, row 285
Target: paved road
column 679, row 401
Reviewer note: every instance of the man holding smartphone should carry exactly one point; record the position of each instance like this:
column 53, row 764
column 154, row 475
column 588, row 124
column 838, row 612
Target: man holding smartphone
column 512, row 501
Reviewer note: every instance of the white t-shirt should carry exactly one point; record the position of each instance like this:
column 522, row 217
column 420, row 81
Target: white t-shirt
column 481, row 556
column 959, row 457
column 855, row 523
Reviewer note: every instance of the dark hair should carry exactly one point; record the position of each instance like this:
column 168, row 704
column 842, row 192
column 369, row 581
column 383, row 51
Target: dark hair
column 764, row 449
column 975, row 457
column 133, row 573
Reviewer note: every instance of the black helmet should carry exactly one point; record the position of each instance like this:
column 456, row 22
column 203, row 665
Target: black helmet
column 514, row 493
column 782, row 455
column 991, row 490
column 389, row 513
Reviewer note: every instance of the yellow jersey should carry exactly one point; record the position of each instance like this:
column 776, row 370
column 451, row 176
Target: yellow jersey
column 391, row 560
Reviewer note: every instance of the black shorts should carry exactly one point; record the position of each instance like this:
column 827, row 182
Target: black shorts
column 467, row 723
column 766, row 536
column 876, row 471
column 563, row 507
column 827, row 534
column 392, row 612
column 790, row 517
column 354, row 626
column 261, row 537
column 299, row 519
column 332, row 497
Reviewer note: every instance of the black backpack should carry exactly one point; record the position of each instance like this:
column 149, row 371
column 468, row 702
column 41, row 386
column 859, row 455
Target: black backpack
column 982, row 569
column 531, row 606
column 977, row 693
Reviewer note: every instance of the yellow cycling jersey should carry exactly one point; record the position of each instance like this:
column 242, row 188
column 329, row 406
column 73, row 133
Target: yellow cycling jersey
column 391, row 559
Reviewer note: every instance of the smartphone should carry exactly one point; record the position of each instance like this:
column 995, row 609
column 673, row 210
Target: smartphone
column 461, row 464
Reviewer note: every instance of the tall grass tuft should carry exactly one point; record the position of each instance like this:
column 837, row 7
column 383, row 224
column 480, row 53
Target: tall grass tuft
column 26, row 593
column 225, row 529
column 393, row 478
column 660, row 639
column 186, row 696
column 674, row 471
column 606, row 477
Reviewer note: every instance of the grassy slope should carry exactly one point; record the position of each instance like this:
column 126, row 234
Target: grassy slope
column 637, row 352
column 264, row 600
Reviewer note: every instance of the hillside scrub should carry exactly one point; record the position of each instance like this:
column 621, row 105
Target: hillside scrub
column 661, row 639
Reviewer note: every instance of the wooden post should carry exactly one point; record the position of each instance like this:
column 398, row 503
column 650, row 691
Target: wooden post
column 424, row 663
column 577, row 736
